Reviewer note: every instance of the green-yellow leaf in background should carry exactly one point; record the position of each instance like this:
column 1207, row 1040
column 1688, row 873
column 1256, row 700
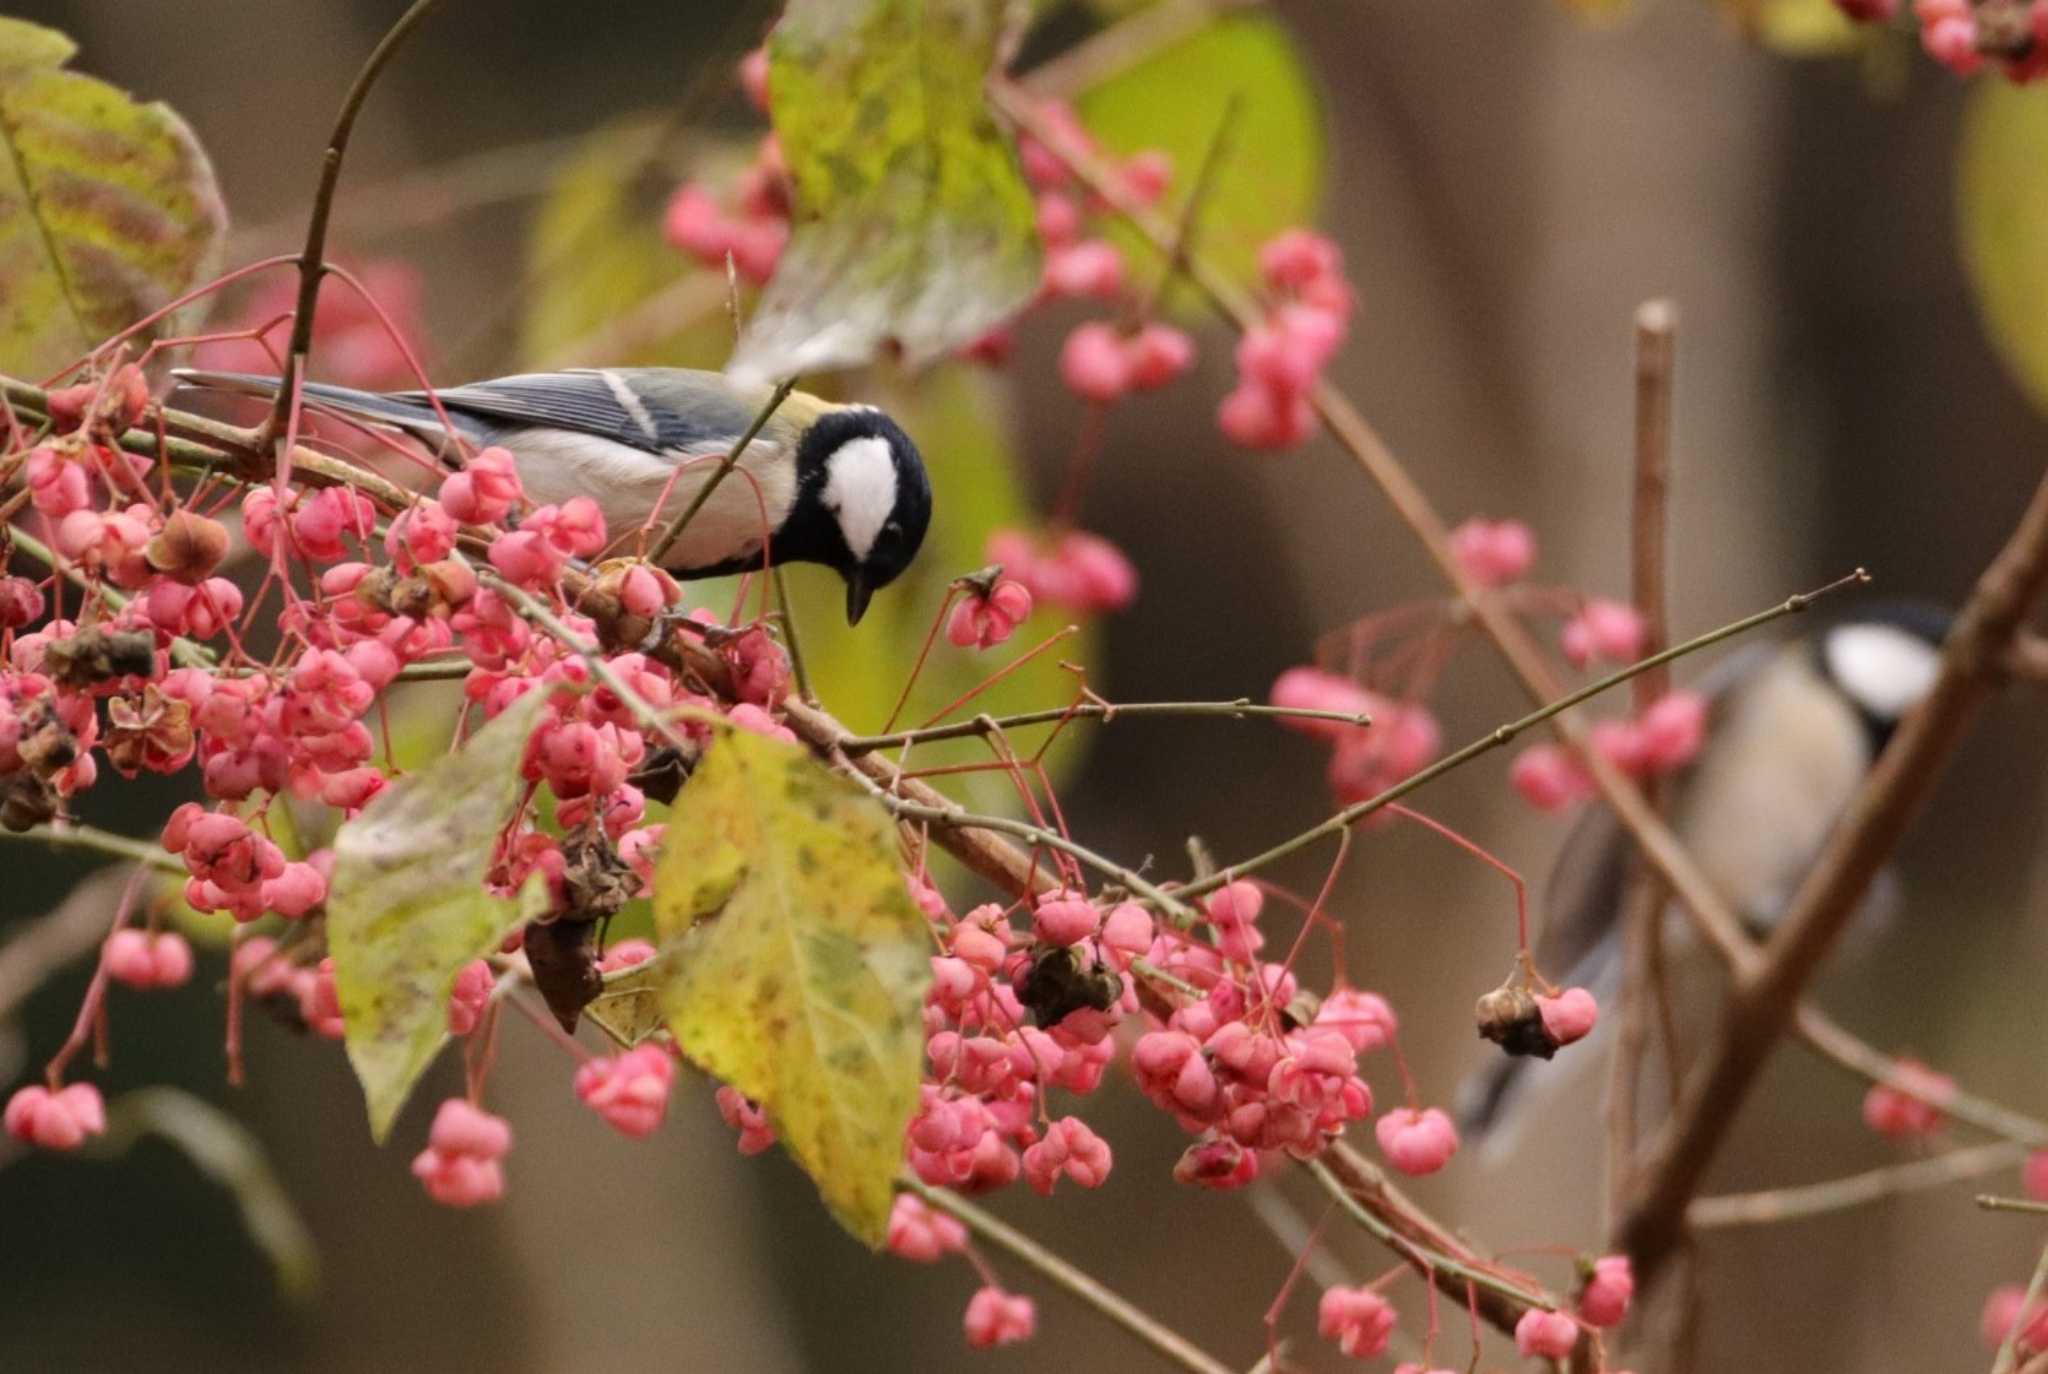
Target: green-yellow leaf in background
column 605, row 288
column 2002, row 206
column 959, row 417
column 1802, row 28
column 799, row 962
column 1175, row 100
column 108, row 207
column 407, row 907
column 913, row 223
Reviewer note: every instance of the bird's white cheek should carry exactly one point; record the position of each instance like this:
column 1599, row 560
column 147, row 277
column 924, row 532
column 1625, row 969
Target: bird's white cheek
column 860, row 491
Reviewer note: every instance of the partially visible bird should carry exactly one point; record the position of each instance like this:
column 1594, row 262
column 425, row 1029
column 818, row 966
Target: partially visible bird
column 1795, row 728
column 841, row 485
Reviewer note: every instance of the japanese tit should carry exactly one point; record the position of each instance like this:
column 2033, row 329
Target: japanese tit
column 1795, row 727
column 841, row 485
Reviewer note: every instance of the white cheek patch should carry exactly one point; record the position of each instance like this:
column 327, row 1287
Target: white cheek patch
column 1884, row 669
column 860, row 489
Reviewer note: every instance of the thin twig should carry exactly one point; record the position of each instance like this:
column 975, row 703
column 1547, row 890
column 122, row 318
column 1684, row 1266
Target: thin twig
column 1240, row 709
column 1505, row 734
column 793, row 639
column 731, row 461
column 1163, row 1341
column 1992, row 1203
column 1823, row 1036
column 1765, row 999
column 99, row 841
column 313, row 258
column 1773, row 1205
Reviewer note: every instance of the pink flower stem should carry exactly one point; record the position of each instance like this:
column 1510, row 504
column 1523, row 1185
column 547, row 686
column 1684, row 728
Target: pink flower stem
column 96, row 990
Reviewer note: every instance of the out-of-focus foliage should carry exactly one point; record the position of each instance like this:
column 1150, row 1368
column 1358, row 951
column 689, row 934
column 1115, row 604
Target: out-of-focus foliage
column 407, row 907
column 1272, row 173
column 108, row 207
column 913, row 224
column 2002, row 207
column 225, row 1152
column 598, row 262
column 806, row 990
column 1803, row 28
column 961, row 425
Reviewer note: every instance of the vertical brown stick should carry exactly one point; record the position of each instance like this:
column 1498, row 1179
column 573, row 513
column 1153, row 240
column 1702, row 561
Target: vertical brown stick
column 1656, row 326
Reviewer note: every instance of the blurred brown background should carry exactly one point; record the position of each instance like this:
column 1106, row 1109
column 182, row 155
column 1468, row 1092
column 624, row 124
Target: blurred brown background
column 1507, row 185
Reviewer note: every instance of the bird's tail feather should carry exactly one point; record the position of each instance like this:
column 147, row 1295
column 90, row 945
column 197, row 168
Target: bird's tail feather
column 408, row 413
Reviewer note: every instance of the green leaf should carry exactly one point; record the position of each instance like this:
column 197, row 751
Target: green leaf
column 1271, row 175
column 2002, row 206
column 960, row 417
column 1804, row 28
column 799, row 962
column 108, row 208
column 914, row 224
column 407, row 907
column 222, row 1149
column 601, row 272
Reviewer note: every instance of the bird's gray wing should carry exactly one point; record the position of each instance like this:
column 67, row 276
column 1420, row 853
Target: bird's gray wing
column 660, row 410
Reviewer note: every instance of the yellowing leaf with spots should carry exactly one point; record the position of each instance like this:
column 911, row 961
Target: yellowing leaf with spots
column 913, row 223
column 407, row 907
column 108, row 208
column 799, row 962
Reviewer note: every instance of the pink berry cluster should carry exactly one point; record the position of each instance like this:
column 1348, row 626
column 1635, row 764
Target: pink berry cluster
column 1365, row 760
column 1073, row 570
column 2009, row 35
column 1280, row 359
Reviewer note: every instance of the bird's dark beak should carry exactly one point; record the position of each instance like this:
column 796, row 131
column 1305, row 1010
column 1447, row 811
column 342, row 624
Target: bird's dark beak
column 857, row 594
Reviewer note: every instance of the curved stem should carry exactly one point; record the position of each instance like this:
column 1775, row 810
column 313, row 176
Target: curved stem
column 1164, row 1342
column 313, row 258
column 1240, row 709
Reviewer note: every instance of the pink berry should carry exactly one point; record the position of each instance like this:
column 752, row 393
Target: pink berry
column 922, row 1233
column 1550, row 1335
column 1147, row 174
column 1296, row 257
column 984, row 622
column 1363, row 1018
column 1494, row 553
column 1090, row 267
column 1569, row 1016
column 1059, row 219
column 630, row 1091
column 1604, row 629
column 2034, row 1176
column 1127, row 931
column 1672, row 731
column 1068, row 1148
column 1548, row 778
column 1416, row 1142
column 995, row 1318
column 744, row 1115
column 1159, row 353
column 2002, row 1309
column 1359, row 1320
column 1093, row 362
column 696, row 224
column 1897, row 1114
column 470, row 995
column 60, row 1120
column 1869, row 11
column 753, row 75
column 1609, row 1289
column 1953, row 43
column 1254, row 416
column 1312, row 689
column 1065, row 918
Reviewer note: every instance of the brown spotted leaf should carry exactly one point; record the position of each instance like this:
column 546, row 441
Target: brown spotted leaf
column 407, row 907
column 797, row 962
column 108, row 207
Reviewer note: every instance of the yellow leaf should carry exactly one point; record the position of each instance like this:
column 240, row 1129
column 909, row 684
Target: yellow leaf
column 2002, row 206
column 108, row 207
column 798, row 961
column 628, row 1006
column 407, row 907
